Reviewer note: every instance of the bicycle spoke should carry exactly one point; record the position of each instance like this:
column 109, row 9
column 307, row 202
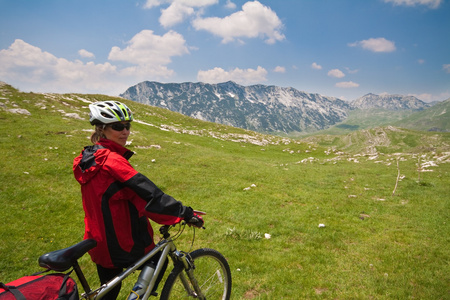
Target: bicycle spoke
column 211, row 273
column 210, row 282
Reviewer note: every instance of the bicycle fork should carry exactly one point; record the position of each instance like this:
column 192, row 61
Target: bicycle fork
column 189, row 268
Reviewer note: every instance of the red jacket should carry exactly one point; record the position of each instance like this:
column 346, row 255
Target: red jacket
column 118, row 201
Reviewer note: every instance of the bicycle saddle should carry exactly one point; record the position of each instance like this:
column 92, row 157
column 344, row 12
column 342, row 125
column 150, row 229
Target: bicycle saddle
column 61, row 260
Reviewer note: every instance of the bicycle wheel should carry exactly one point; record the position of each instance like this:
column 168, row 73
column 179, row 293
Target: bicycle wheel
column 212, row 273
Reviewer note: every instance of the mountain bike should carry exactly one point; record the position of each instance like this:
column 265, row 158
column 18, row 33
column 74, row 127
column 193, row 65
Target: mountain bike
column 201, row 274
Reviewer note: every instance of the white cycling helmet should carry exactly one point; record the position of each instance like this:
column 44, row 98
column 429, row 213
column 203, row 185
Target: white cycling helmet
column 107, row 112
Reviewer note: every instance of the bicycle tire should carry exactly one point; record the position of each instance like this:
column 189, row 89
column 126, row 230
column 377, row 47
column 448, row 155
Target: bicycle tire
column 212, row 273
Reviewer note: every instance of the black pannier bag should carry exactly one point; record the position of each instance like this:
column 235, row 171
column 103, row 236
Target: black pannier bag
column 56, row 286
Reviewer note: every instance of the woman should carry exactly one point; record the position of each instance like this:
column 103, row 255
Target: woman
column 117, row 199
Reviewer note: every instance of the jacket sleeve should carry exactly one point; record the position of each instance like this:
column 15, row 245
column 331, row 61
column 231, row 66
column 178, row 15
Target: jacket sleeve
column 157, row 201
column 160, row 207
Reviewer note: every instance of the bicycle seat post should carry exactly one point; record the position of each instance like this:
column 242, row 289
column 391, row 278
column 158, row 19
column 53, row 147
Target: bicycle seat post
column 81, row 277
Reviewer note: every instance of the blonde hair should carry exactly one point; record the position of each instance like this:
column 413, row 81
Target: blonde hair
column 97, row 134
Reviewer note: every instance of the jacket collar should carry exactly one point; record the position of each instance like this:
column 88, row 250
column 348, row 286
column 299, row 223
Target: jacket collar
column 113, row 146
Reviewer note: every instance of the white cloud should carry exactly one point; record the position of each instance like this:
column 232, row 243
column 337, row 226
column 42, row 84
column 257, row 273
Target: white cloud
column 375, row 45
column 153, row 3
column 241, row 76
column 316, row 66
column 336, row 73
column 424, row 97
column 429, row 3
column 350, row 71
column 85, row 53
column 174, row 14
column 430, row 97
column 23, row 64
column 446, row 68
column 253, row 21
column 442, row 96
column 279, row 69
column 230, row 5
column 146, row 48
column 178, row 10
column 347, row 84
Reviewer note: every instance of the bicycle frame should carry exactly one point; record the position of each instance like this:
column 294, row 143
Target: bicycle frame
column 168, row 248
column 165, row 246
column 63, row 259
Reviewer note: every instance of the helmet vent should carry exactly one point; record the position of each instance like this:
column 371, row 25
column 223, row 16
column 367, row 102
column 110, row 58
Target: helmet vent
column 106, row 115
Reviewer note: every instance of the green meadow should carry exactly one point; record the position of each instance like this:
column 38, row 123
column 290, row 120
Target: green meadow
column 382, row 196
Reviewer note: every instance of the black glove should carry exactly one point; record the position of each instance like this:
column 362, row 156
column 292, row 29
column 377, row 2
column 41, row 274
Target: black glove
column 195, row 221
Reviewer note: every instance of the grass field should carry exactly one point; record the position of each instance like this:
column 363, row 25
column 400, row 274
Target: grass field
column 375, row 244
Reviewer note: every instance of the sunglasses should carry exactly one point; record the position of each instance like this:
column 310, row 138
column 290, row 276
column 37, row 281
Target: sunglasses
column 120, row 126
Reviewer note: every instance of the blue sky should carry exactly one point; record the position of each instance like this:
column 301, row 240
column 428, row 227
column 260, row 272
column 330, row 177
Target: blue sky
column 338, row 48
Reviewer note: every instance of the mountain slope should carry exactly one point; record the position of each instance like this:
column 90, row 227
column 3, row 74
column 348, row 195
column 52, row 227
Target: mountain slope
column 388, row 139
column 429, row 118
column 73, row 108
column 435, row 118
column 258, row 107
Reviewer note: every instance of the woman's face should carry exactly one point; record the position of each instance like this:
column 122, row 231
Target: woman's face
column 116, row 132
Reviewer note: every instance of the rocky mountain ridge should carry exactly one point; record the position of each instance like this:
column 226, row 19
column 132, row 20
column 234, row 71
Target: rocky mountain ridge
column 258, row 107
column 262, row 108
column 389, row 102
